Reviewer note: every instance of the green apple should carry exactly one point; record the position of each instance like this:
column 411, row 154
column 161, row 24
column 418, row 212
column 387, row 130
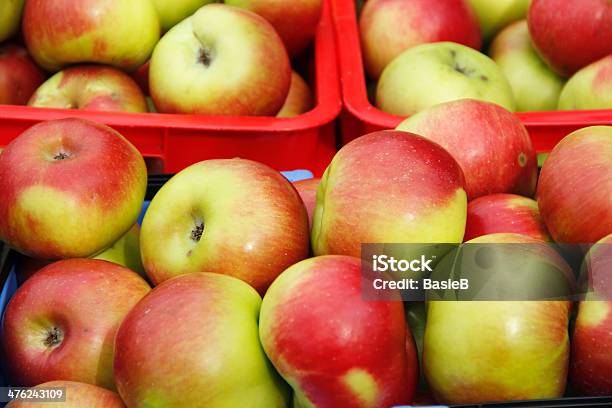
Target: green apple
column 194, row 343
column 497, row 14
column 430, row 74
column 589, row 88
column 222, row 60
column 10, row 17
column 65, row 32
column 126, row 251
column 172, row 12
column 536, row 87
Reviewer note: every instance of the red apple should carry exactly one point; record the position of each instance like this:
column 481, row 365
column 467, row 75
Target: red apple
column 69, row 188
column 299, row 99
column 575, row 187
column 571, row 34
column 61, row 323
column 193, row 342
column 389, row 27
column 296, row 21
column 19, row 75
column 77, row 395
column 490, row 144
column 591, row 365
column 308, row 192
column 511, row 213
column 63, row 32
column 141, row 76
column 332, row 347
column 90, row 87
column 236, row 217
column 387, row 187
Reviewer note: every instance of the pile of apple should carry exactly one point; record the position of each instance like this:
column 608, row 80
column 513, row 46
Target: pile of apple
column 250, row 288
column 190, row 56
column 542, row 54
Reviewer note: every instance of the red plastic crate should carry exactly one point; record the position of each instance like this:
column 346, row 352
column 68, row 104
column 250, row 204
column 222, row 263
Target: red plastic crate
column 307, row 141
column 360, row 117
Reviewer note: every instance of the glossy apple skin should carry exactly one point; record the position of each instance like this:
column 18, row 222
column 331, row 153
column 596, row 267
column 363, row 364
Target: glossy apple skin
column 10, row 18
column 589, row 88
column 172, row 12
column 536, row 87
column 299, row 99
column 126, row 251
column 206, row 357
column 430, row 74
column 63, row 32
column 490, row 144
column 313, row 320
column 308, row 193
column 83, row 301
column 254, row 223
column 70, row 189
column 247, row 70
column 483, row 351
column 389, row 27
column 385, row 187
column 92, row 88
column 78, row 395
column 565, row 50
column 504, row 213
column 19, row 75
column 295, row 21
column 573, row 192
column 495, row 15
column 591, row 363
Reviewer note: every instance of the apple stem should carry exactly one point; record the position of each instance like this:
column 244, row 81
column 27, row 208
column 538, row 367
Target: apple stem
column 61, row 156
column 196, row 233
column 54, row 338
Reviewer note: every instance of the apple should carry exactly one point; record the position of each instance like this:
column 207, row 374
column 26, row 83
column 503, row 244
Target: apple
column 221, row 61
column 504, row 213
column 483, row 351
column 91, row 87
column 230, row 216
column 64, row 32
column 210, row 356
column 126, row 251
column 589, row 88
column 172, row 12
column 10, row 17
column 575, row 186
column 535, row 86
column 334, row 348
column 141, row 76
column 69, row 188
column 77, row 395
column 386, row 187
column 490, row 144
column 495, row 15
column 19, row 75
column 61, row 323
column 295, row 21
column 308, row 193
column 591, row 363
column 389, row 27
column 430, row 74
column 299, row 99
column 569, row 34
